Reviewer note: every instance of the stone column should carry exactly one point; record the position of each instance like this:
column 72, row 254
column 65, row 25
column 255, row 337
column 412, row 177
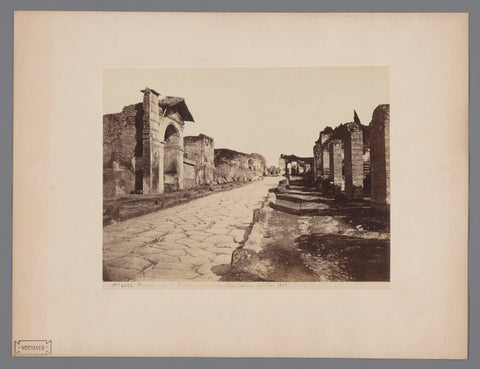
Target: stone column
column 146, row 150
column 353, row 151
column 380, row 155
column 336, row 158
column 150, row 110
column 324, row 155
column 180, row 167
column 161, row 155
column 325, row 162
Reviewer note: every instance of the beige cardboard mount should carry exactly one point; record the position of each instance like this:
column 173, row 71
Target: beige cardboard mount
column 60, row 304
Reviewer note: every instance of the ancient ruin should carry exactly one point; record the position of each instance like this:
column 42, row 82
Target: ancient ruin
column 328, row 219
column 145, row 151
column 143, row 146
column 380, row 155
column 295, row 165
column 354, row 159
column 200, row 151
column 236, row 166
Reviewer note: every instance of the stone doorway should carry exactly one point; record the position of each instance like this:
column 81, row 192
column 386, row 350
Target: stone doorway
column 172, row 159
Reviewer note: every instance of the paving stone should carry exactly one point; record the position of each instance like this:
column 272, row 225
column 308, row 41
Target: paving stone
column 239, row 235
column 219, row 230
column 120, row 274
column 164, row 245
column 196, row 260
column 176, row 252
column 169, row 274
column 222, row 259
column 173, row 236
column 204, row 269
column 130, row 262
column 167, row 270
column 216, row 239
column 109, row 237
column 201, row 253
column 124, row 246
column 198, row 236
column 113, row 254
column 152, row 234
column 161, row 258
column 189, row 242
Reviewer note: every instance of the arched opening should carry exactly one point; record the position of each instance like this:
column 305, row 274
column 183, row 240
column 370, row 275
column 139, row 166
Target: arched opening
column 250, row 164
column 172, row 158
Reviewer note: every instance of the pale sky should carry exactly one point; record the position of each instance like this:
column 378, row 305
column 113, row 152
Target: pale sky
column 270, row 111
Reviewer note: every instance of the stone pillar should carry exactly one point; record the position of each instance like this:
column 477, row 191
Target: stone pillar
column 380, row 155
column 325, row 162
column 150, row 110
column 161, row 178
column 146, row 151
column 336, row 158
column 353, row 152
column 180, row 167
column 324, row 155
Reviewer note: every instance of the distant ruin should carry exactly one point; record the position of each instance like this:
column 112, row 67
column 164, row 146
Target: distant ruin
column 232, row 166
column 295, row 165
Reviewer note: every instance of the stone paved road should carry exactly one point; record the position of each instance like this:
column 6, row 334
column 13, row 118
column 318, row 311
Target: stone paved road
column 187, row 242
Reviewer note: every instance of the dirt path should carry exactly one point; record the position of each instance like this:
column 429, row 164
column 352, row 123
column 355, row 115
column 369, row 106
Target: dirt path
column 310, row 237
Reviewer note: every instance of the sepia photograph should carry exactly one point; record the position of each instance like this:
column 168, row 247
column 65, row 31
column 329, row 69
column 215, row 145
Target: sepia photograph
column 246, row 175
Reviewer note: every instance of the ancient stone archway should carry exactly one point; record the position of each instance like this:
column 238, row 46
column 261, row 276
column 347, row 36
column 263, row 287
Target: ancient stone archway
column 172, row 158
column 250, row 164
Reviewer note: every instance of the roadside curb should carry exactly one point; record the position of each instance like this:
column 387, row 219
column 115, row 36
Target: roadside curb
column 247, row 258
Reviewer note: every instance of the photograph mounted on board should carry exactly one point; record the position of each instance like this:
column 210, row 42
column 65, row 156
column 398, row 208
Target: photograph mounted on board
column 246, row 175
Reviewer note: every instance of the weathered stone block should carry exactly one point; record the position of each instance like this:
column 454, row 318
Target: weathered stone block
column 380, row 155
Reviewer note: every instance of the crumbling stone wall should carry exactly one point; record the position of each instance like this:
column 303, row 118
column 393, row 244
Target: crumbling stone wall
column 353, row 159
column 232, row 166
column 295, row 165
column 336, row 164
column 200, row 150
column 321, row 152
column 122, row 148
column 317, row 160
column 258, row 164
column 282, row 164
column 189, row 174
column 380, row 155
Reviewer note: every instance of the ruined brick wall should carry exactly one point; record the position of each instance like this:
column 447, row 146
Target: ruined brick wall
column 190, row 178
column 325, row 162
column 325, row 152
column 122, row 148
column 232, row 166
column 259, row 164
column 353, row 159
column 380, row 155
column 200, row 149
column 282, row 165
column 336, row 164
column 317, row 160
